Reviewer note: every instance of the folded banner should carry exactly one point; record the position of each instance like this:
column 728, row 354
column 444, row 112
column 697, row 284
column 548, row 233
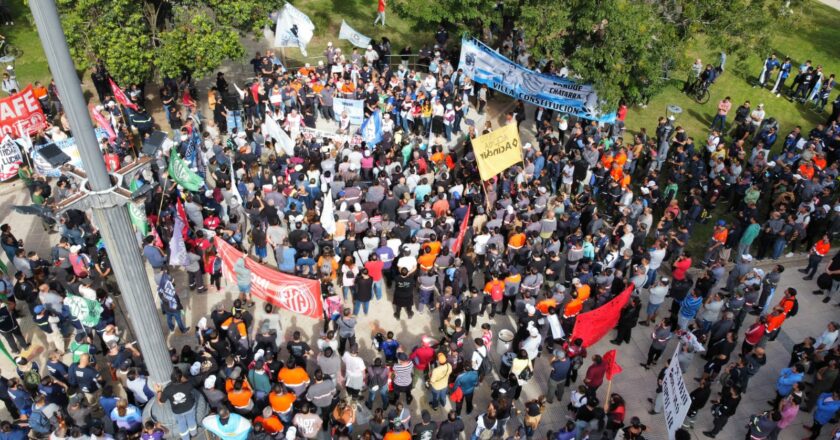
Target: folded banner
column 294, row 29
column 120, row 95
column 21, row 111
column 297, row 295
column 352, row 35
column 497, row 151
column 10, row 158
column 355, row 109
column 486, row 66
column 595, row 324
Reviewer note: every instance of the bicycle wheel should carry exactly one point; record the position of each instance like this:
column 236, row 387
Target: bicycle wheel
column 14, row 51
column 703, row 96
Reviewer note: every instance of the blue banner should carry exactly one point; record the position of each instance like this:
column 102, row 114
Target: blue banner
column 355, row 109
column 486, row 66
column 371, row 130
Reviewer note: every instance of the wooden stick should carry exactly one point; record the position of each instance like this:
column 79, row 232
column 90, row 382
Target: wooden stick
column 607, row 399
column 162, row 196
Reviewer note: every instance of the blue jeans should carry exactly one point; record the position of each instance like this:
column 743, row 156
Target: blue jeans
column 377, row 289
column 359, row 305
column 185, row 424
column 778, row 248
column 438, row 397
column 721, row 119
column 651, row 277
column 383, row 395
column 176, row 317
column 347, row 290
column 261, row 252
column 234, row 120
column 448, row 132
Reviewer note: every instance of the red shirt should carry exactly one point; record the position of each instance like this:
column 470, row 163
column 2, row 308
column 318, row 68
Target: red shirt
column 112, row 162
column 381, row 7
column 754, row 333
column 422, row 357
column 375, row 269
column 595, row 375
column 680, row 268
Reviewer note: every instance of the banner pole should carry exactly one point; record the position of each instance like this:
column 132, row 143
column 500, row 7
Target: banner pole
column 607, row 398
column 26, row 154
column 162, row 196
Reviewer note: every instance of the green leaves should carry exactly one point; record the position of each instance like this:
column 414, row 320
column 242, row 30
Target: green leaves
column 138, row 38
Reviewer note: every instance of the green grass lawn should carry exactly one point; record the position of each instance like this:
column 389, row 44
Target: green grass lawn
column 32, row 66
column 359, row 14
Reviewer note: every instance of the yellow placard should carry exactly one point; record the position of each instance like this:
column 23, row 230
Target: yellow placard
column 497, row 151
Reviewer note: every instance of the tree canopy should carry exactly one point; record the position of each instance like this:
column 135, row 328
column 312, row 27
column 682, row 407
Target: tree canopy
column 136, row 38
column 622, row 47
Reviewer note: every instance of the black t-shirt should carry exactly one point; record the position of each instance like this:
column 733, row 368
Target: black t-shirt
column 86, row 379
column 298, row 348
column 179, row 396
column 835, row 265
column 424, row 431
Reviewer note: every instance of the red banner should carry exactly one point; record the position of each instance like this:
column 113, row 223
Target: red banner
column 298, row 295
column 595, row 324
column 612, row 366
column 120, row 96
column 21, row 110
column 459, row 240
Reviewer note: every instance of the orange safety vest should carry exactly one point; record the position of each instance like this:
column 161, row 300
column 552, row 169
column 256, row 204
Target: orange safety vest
column 240, row 325
column 293, row 377
column 822, row 247
column 281, row 403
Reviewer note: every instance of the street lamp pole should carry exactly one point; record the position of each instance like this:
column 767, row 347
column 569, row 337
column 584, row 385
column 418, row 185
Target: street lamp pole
column 109, row 210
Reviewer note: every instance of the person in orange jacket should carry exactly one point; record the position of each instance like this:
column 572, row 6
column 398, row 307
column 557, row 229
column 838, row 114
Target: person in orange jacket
column 818, row 251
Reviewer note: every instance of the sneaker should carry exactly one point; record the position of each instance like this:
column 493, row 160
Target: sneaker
column 778, row 95
column 826, row 299
column 789, row 255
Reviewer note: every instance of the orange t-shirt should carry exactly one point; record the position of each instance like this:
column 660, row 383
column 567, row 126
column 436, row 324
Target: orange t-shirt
column 621, row 158
column 583, row 292
column 807, row 171
column 617, row 173
column 272, row 425
column 820, row 162
column 441, row 207
column 426, row 261
column 496, row 289
column 720, row 236
column 239, row 398
column 281, row 403
column 775, row 321
column 293, row 377
column 402, row 435
column 40, row 92
column 516, row 241
column 573, row 307
column 434, row 246
column 545, row 304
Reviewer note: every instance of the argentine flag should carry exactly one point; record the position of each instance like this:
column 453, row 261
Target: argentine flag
column 371, row 130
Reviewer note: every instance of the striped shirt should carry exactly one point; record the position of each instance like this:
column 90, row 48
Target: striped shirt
column 403, row 374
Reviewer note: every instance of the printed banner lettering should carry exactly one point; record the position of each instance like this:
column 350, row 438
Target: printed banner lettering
column 675, row 397
column 10, row 158
column 497, row 151
column 298, row 295
column 21, row 111
column 595, row 324
column 355, row 109
column 486, row 66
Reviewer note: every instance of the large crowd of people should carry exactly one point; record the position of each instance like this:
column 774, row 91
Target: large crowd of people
column 590, row 211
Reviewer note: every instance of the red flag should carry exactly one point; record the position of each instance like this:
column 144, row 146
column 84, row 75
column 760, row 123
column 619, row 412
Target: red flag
column 595, row 324
column 459, row 240
column 300, row 296
column 612, row 366
column 183, row 214
column 158, row 241
column 120, row 96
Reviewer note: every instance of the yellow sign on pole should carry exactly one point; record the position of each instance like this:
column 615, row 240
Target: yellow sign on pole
column 497, row 151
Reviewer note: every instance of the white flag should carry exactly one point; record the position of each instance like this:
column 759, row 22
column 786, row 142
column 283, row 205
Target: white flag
column 294, row 29
column 240, row 91
column 177, row 249
column 328, row 213
column 352, row 35
column 273, row 129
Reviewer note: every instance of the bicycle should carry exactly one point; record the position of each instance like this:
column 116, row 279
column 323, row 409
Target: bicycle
column 8, row 52
column 700, row 92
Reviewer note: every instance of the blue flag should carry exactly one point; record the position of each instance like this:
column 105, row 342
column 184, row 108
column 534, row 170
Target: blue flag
column 371, row 130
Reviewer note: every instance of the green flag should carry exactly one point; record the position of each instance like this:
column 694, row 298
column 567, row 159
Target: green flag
column 83, row 309
column 138, row 219
column 3, row 267
column 6, row 352
column 181, row 173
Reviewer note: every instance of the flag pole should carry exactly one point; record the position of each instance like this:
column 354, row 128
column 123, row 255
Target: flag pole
column 23, row 133
column 607, row 399
column 162, row 196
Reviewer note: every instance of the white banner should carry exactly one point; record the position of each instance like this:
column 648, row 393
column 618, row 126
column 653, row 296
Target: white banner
column 294, row 29
column 676, row 400
column 355, row 109
column 353, row 36
column 486, row 66
column 10, row 158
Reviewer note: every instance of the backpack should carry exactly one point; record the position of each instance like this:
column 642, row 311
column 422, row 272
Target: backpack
column 485, row 368
column 32, row 379
column 794, row 309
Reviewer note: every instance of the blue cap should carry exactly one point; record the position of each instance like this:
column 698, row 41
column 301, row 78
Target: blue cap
column 721, row 223
column 38, row 309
